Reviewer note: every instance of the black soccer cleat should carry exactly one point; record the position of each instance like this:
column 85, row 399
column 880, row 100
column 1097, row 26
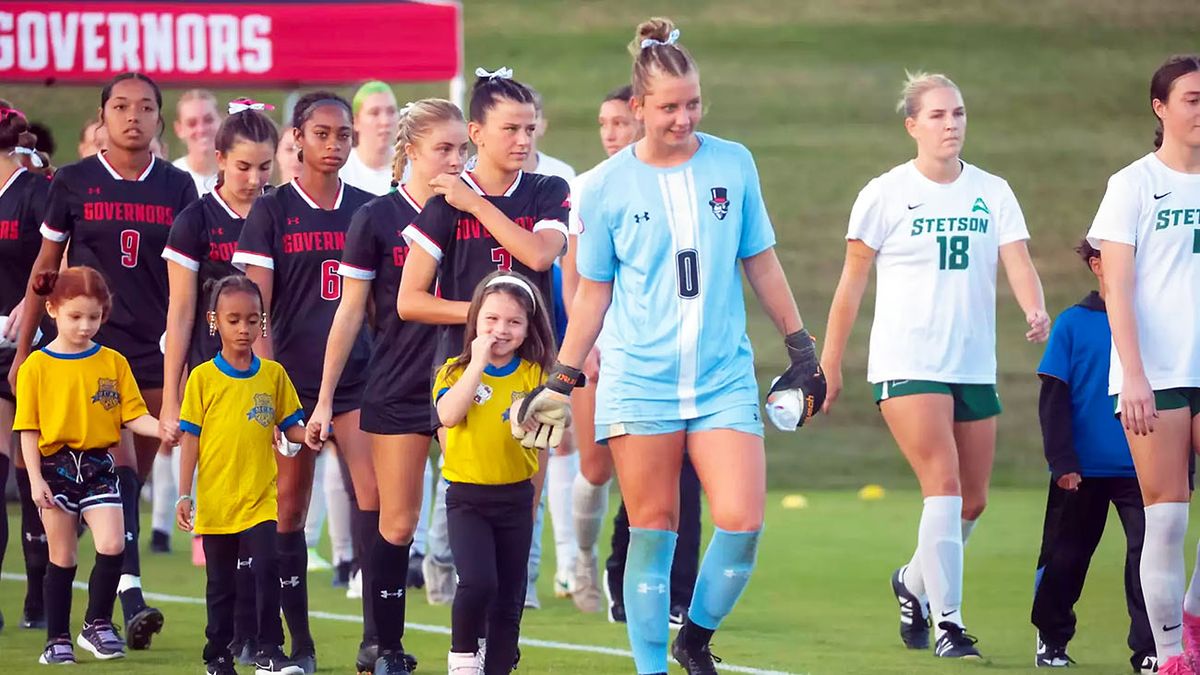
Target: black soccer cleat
column 1051, row 656
column 142, row 626
column 416, row 573
column 222, row 665
column 272, row 660
column 695, row 660
column 914, row 625
column 955, row 643
column 394, row 662
column 306, row 659
column 160, row 542
column 368, row 654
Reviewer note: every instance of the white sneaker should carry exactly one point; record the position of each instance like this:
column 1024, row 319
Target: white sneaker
column 587, row 595
column 464, row 664
column 440, row 582
column 316, row 563
column 354, row 589
column 564, row 585
column 531, row 597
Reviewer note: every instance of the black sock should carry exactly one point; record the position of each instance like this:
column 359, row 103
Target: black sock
column 58, row 601
column 387, row 593
column 695, row 636
column 102, row 587
column 33, row 544
column 130, row 487
column 366, row 531
column 293, row 588
column 4, row 462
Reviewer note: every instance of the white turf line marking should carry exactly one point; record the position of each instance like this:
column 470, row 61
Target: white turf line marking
column 427, row 628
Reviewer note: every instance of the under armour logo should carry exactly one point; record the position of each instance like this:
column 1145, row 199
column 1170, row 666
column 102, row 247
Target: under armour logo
column 294, row 582
column 643, row 217
column 93, row 191
column 394, row 594
column 128, row 536
column 41, row 538
column 646, row 589
column 293, row 221
column 731, row 573
column 244, row 563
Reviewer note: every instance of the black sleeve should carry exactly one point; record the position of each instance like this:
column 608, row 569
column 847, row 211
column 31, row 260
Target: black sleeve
column 187, row 243
column 256, row 246
column 1054, row 410
column 434, row 228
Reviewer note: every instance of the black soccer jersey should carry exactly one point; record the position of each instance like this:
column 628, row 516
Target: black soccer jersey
column 203, row 240
column 22, row 201
column 396, row 398
column 120, row 227
column 466, row 252
column 287, row 232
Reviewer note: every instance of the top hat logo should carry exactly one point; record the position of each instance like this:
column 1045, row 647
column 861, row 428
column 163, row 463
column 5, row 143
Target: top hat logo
column 719, row 203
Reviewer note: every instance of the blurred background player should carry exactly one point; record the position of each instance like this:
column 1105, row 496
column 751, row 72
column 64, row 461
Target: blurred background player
column 618, row 129
column 115, row 209
column 92, row 138
column 287, row 156
column 1090, row 467
column 22, row 205
column 939, row 400
column 196, row 122
column 1150, row 277
column 376, row 118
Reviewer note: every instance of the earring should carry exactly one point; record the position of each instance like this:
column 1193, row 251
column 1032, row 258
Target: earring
column 263, row 325
column 212, row 328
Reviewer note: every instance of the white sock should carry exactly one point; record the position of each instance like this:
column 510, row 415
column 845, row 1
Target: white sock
column 337, row 503
column 560, row 480
column 939, row 544
column 127, row 582
column 968, row 526
column 164, row 491
column 589, row 505
column 316, row 505
column 1162, row 575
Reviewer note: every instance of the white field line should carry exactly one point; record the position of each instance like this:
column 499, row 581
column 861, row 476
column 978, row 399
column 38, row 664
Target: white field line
column 428, row 628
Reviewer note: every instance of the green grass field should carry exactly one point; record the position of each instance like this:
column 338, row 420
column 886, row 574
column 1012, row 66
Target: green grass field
column 819, row 602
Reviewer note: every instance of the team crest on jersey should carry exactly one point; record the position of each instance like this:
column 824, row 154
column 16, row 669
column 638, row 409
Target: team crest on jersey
column 263, row 411
column 483, row 394
column 106, row 394
column 980, row 206
column 719, row 203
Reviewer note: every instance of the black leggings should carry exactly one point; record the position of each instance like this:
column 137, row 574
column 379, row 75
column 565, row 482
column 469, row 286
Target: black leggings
column 222, row 562
column 491, row 527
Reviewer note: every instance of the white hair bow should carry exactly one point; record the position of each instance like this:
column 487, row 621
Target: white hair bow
column 503, row 72
column 242, row 104
column 407, row 108
column 671, row 39
column 34, row 157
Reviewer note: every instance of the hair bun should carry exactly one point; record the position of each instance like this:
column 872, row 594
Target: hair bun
column 43, row 283
column 657, row 28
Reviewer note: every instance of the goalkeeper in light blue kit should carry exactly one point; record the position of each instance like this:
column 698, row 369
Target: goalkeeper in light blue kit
column 666, row 223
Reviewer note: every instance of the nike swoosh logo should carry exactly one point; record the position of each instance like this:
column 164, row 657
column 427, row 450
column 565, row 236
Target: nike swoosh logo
column 1162, row 195
column 946, row 614
column 917, row 206
column 1167, row 629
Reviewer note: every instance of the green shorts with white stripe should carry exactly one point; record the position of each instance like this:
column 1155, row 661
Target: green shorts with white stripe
column 971, row 401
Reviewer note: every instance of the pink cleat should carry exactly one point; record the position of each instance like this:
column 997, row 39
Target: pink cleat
column 1176, row 665
column 1191, row 638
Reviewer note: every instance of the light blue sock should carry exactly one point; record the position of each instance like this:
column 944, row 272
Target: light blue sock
column 648, row 596
column 724, row 574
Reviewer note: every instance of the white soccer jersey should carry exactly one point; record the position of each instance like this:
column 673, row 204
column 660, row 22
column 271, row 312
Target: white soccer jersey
column 553, row 166
column 1156, row 210
column 355, row 172
column 937, row 246
column 205, row 183
column 577, row 187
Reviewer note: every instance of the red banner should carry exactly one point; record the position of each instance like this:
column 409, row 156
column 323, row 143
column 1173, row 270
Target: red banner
column 219, row 43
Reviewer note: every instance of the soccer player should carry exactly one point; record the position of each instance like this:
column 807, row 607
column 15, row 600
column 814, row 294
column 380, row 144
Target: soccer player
column 22, row 203
column 73, row 398
column 232, row 405
column 618, row 129
column 432, row 141
column 1090, row 467
column 196, row 122
column 935, row 227
column 667, row 225
column 290, row 246
column 287, row 156
column 376, row 118
column 115, row 209
column 1145, row 230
